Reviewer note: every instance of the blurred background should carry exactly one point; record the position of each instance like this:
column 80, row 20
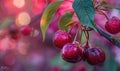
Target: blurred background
column 20, row 52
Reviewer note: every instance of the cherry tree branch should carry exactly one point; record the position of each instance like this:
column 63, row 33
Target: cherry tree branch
column 35, row 18
column 109, row 37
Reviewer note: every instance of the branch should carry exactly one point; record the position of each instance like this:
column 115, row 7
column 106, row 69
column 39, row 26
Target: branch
column 35, row 18
column 109, row 37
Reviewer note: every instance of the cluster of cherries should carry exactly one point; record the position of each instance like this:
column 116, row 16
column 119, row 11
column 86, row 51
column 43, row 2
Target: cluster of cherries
column 73, row 52
column 113, row 25
column 16, row 31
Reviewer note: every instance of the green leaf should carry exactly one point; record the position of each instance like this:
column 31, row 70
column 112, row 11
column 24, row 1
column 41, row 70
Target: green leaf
column 110, row 64
column 6, row 22
column 71, row 23
column 64, row 20
column 47, row 16
column 85, row 12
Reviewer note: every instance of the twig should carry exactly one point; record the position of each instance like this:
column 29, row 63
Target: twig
column 35, row 18
column 109, row 37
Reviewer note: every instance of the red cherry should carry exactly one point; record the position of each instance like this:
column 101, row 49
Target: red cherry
column 15, row 36
column 25, row 30
column 113, row 25
column 95, row 56
column 85, row 47
column 13, row 29
column 72, row 53
column 14, row 32
column 61, row 38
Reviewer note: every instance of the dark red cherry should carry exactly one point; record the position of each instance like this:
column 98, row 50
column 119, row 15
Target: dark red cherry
column 25, row 30
column 14, row 31
column 113, row 25
column 15, row 36
column 61, row 38
column 85, row 47
column 72, row 53
column 95, row 56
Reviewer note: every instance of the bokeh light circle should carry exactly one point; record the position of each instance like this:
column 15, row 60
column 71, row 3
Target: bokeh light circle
column 23, row 19
column 19, row 3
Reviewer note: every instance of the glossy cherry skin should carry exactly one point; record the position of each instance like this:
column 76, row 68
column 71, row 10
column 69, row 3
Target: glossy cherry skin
column 61, row 38
column 95, row 56
column 25, row 30
column 113, row 25
column 85, row 47
column 72, row 53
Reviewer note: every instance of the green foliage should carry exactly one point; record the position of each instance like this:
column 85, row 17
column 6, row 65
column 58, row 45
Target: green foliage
column 47, row 16
column 85, row 12
column 110, row 64
column 64, row 20
column 5, row 23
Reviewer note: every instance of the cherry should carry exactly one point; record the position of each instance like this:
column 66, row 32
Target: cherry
column 95, row 56
column 14, row 31
column 72, row 53
column 25, row 30
column 15, row 36
column 61, row 38
column 85, row 47
column 113, row 25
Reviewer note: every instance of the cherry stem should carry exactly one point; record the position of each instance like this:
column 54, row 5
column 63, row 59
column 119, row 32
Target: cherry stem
column 86, row 35
column 86, row 32
column 104, row 14
column 70, row 29
column 35, row 18
column 81, row 31
column 76, row 36
column 87, row 44
column 96, row 7
column 109, row 37
column 87, row 38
